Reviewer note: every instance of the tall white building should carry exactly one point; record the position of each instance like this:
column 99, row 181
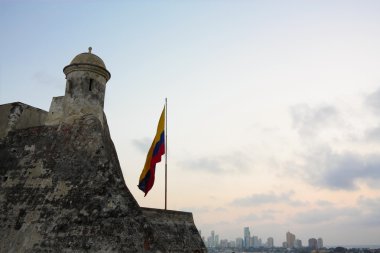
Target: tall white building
column 247, row 236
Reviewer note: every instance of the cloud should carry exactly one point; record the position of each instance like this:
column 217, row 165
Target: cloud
column 332, row 158
column 220, row 209
column 321, row 166
column 345, row 170
column 205, row 164
column 267, row 198
column 373, row 102
column 365, row 213
column 370, row 203
column 324, row 203
column 142, row 144
column 326, row 215
column 371, row 214
column 235, row 162
column 308, row 121
column 268, row 214
column 340, row 171
column 373, row 134
column 249, row 217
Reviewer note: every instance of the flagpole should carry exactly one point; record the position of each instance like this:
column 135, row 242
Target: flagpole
column 166, row 152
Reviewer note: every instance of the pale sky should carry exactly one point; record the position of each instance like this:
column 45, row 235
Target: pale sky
column 273, row 106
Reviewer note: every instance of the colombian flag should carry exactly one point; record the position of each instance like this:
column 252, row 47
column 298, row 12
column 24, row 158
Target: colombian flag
column 157, row 149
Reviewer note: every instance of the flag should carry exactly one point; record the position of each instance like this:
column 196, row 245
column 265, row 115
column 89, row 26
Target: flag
column 157, row 149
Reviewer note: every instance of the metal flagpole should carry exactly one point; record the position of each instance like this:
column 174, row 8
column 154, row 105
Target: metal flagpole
column 166, row 152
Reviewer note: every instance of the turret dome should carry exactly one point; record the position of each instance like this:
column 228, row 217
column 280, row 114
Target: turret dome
column 88, row 62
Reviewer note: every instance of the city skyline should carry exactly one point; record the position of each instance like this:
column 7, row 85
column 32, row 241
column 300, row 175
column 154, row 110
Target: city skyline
column 291, row 240
column 273, row 106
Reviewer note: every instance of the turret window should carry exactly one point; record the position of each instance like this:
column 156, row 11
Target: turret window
column 90, row 86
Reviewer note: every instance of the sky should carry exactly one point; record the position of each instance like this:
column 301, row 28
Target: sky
column 273, row 106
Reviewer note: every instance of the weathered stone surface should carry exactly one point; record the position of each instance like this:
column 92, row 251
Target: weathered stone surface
column 18, row 116
column 84, row 94
column 62, row 190
column 176, row 229
column 56, row 111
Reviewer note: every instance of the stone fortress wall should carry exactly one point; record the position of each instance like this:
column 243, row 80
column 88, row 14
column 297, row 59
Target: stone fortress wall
column 61, row 185
column 17, row 115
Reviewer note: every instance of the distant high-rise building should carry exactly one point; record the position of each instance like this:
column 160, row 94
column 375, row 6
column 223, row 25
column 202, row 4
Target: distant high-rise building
column 239, row 243
column 298, row 244
column 270, row 242
column 251, row 241
column 212, row 239
column 223, row 243
column 290, row 238
column 216, row 242
column 320, row 243
column 247, row 236
column 284, row 244
column 209, row 242
column 256, row 242
column 313, row 243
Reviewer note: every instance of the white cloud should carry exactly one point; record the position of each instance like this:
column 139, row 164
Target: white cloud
column 142, row 144
column 336, row 161
column 268, row 198
column 326, row 215
column 309, row 121
column 220, row 164
column 373, row 102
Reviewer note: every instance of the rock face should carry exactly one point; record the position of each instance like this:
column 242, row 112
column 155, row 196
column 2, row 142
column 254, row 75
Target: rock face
column 62, row 190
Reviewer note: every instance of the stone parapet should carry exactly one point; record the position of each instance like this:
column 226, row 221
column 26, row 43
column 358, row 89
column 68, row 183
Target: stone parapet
column 175, row 229
column 18, row 115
